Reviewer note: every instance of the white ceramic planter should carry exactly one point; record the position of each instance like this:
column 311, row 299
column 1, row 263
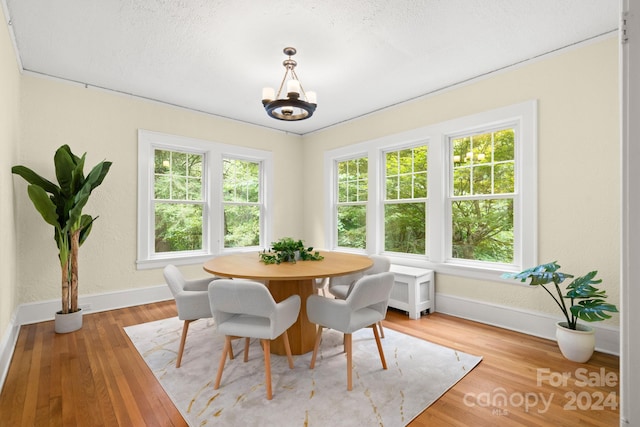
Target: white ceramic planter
column 70, row 322
column 576, row 345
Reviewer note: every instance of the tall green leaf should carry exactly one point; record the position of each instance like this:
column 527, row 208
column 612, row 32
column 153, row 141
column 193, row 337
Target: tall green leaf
column 86, row 224
column 97, row 174
column 43, row 204
column 33, row 178
column 64, row 170
column 77, row 175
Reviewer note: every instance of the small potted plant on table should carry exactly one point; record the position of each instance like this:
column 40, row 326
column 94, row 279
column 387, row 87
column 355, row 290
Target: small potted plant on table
column 289, row 250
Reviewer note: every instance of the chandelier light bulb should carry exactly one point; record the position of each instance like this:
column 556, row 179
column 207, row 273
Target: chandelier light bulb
column 268, row 94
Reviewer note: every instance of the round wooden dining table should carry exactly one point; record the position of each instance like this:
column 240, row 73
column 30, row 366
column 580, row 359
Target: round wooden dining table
column 288, row 279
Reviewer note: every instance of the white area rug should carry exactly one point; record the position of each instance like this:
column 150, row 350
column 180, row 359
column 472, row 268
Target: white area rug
column 418, row 373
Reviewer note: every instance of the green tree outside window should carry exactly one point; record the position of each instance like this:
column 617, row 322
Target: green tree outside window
column 353, row 193
column 482, row 201
column 178, row 201
column 241, row 203
column 405, row 207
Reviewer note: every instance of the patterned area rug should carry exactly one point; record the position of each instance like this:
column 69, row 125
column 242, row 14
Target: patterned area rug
column 418, row 373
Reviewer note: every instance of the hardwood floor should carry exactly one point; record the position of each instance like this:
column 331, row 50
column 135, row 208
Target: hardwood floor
column 94, row 377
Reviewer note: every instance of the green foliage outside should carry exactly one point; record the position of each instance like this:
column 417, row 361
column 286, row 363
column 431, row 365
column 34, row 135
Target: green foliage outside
column 241, row 201
column 241, row 226
column 179, row 202
column 482, row 207
column 353, row 193
column 405, row 220
column 352, row 226
column 404, row 228
column 178, row 227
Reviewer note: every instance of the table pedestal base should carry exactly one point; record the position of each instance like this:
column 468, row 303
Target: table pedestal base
column 302, row 333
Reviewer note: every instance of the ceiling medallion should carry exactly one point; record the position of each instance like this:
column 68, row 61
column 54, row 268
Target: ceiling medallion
column 298, row 104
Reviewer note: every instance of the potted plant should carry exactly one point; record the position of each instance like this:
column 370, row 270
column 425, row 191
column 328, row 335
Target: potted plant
column 61, row 206
column 587, row 303
column 289, row 250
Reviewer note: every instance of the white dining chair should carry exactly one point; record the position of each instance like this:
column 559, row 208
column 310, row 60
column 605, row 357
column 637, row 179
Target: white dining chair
column 321, row 284
column 365, row 306
column 340, row 286
column 191, row 298
column 247, row 309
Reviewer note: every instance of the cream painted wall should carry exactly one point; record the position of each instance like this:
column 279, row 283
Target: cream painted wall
column 104, row 125
column 9, row 122
column 579, row 171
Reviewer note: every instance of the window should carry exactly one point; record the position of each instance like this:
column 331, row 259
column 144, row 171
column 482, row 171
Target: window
column 241, row 201
column 351, row 206
column 198, row 198
column 178, row 201
column 482, row 196
column 405, row 204
column 458, row 196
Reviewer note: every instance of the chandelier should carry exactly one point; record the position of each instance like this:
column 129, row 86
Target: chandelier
column 298, row 104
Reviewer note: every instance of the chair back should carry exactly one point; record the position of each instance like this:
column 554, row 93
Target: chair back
column 227, row 297
column 345, row 280
column 371, row 291
column 175, row 279
column 380, row 264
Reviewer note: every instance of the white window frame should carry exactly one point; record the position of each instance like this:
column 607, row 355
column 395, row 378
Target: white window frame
column 335, row 203
column 213, row 224
column 436, row 137
column 260, row 203
column 384, row 202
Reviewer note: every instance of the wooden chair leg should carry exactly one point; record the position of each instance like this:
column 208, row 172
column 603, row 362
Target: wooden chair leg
column 381, row 329
column 315, row 347
column 183, row 339
column 266, row 345
column 223, row 359
column 379, row 344
column 246, row 349
column 348, row 348
column 231, row 347
column 287, row 348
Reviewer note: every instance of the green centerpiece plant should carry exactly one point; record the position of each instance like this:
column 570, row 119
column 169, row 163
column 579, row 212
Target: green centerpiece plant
column 289, row 250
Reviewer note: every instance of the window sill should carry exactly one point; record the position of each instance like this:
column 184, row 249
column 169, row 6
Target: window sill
column 478, row 272
column 148, row 264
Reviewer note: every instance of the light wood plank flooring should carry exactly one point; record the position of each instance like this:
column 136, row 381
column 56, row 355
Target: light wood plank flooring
column 94, row 377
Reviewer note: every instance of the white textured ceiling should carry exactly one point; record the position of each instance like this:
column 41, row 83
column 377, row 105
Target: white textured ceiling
column 359, row 56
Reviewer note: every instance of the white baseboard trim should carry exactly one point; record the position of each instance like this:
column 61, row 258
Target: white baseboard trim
column 519, row 320
column 531, row 323
column 7, row 346
column 43, row 311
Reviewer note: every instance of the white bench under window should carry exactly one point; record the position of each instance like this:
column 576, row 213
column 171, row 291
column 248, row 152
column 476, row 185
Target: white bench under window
column 413, row 290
